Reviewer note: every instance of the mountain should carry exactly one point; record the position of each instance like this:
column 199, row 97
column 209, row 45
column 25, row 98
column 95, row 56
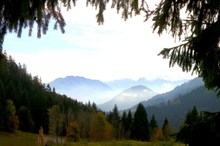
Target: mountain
column 128, row 98
column 158, row 85
column 185, row 88
column 175, row 110
column 82, row 89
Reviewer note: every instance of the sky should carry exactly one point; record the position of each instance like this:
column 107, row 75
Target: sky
column 117, row 49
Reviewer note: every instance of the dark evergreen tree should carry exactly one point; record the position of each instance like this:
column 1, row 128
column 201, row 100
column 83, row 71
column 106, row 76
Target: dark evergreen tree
column 115, row 121
column 153, row 127
column 124, row 124
column 140, row 128
column 2, row 105
column 192, row 116
column 26, row 122
column 166, row 129
column 200, row 130
column 3, row 71
column 128, row 127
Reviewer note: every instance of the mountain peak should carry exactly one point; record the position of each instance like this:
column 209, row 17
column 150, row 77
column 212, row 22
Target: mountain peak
column 81, row 88
column 128, row 98
column 138, row 88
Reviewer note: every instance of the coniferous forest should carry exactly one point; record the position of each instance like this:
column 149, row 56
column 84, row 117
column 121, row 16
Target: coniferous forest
column 25, row 101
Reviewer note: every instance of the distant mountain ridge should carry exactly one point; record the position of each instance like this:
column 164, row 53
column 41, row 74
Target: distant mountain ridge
column 128, row 98
column 176, row 109
column 177, row 91
column 84, row 89
column 81, row 88
column 174, row 104
column 158, row 85
column 79, row 81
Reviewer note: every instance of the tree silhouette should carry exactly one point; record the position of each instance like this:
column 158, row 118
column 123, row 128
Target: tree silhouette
column 140, row 128
column 128, row 125
column 192, row 116
column 26, row 122
column 115, row 121
column 153, row 127
column 2, row 104
column 200, row 129
column 166, row 129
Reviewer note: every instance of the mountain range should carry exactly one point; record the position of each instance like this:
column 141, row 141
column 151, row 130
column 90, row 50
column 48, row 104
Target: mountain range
column 84, row 89
column 183, row 89
column 157, row 85
column 175, row 110
column 128, row 98
column 173, row 104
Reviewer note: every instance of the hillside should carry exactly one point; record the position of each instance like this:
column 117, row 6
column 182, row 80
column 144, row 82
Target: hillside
column 185, row 88
column 176, row 109
column 128, row 98
column 25, row 100
column 82, row 89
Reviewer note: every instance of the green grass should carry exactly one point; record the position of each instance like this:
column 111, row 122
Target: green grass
column 17, row 139
column 27, row 139
column 125, row 143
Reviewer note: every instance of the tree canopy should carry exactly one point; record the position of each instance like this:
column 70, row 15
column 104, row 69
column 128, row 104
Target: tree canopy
column 199, row 27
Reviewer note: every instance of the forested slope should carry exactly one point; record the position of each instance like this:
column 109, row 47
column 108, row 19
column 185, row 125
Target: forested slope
column 31, row 98
column 176, row 109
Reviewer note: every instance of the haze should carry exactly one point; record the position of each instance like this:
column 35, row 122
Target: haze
column 115, row 50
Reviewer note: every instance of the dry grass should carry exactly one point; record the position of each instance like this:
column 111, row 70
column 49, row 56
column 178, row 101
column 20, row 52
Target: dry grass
column 26, row 139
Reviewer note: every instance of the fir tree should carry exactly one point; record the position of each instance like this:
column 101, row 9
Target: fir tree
column 153, row 128
column 124, row 124
column 166, row 129
column 115, row 121
column 192, row 116
column 140, row 128
column 128, row 127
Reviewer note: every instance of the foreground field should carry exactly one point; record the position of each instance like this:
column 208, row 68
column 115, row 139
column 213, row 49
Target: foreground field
column 126, row 143
column 27, row 139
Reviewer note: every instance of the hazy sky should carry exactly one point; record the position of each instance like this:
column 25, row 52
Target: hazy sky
column 116, row 50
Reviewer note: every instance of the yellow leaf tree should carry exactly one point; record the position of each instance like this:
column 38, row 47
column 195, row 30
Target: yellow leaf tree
column 101, row 130
column 73, row 131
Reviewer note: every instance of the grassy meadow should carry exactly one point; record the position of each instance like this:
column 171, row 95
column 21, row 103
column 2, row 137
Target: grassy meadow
column 27, row 139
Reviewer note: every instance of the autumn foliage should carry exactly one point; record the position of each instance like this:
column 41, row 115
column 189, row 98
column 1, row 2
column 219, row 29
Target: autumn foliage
column 101, row 130
column 73, row 131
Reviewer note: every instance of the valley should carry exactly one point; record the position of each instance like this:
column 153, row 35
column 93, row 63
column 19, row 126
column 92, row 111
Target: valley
column 112, row 92
column 173, row 104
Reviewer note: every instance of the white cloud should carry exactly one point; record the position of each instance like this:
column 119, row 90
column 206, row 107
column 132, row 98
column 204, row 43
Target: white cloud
column 114, row 50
